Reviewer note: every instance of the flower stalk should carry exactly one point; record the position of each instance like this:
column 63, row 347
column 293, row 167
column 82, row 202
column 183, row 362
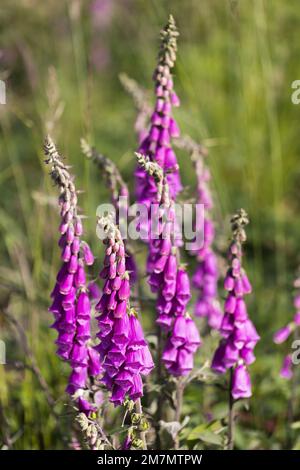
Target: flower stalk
column 124, row 353
column 239, row 336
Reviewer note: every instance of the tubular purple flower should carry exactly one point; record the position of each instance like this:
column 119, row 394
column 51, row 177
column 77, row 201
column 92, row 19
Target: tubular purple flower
column 124, row 352
column 71, row 305
column 235, row 350
column 282, row 335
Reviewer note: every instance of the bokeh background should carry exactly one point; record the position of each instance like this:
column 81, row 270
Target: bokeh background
column 60, row 61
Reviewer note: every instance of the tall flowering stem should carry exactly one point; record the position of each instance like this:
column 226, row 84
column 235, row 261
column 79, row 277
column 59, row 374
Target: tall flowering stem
column 157, row 143
column 111, row 174
column 119, row 195
column 206, row 276
column 157, row 185
column 71, row 305
column 169, row 280
column 124, row 352
column 235, row 351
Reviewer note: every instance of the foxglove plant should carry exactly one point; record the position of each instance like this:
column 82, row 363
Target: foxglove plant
column 239, row 334
column 170, row 281
column 71, row 304
column 124, row 352
column 157, row 143
column 235, row 351
column 283, row 334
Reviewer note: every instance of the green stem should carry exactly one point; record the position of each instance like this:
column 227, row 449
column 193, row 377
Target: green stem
column 178, row 410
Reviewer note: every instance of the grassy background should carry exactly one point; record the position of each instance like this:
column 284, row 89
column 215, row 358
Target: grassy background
column 236, row 63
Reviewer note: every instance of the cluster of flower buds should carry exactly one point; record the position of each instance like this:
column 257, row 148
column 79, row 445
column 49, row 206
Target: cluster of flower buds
column 138, row 425
column 205, row 278
column 170, row 281
column 119, row 194
column 124, row 353
column 71, row 305
column 283, row 334
column 238, row 332
column 157, row 143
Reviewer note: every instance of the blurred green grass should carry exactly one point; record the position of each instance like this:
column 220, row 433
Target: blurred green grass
column 235, row 67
